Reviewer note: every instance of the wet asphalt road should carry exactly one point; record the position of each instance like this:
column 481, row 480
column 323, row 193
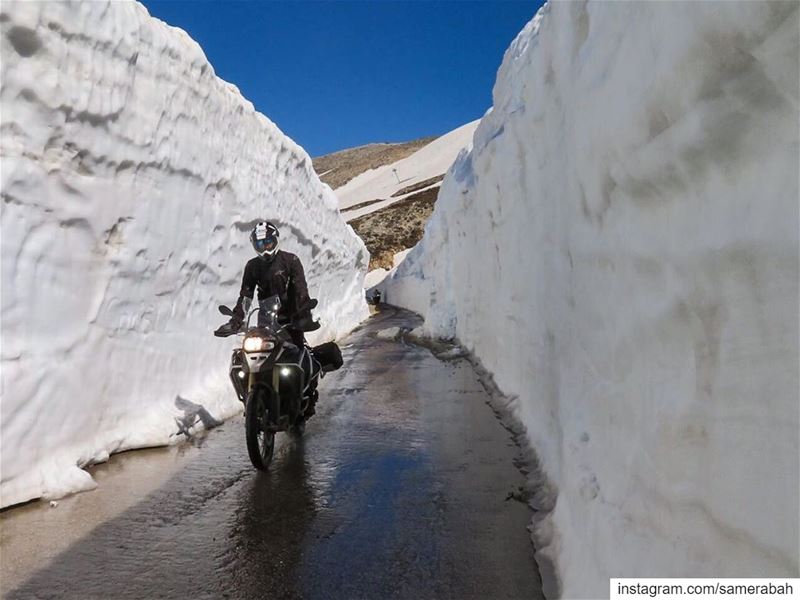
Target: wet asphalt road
column 397, row 490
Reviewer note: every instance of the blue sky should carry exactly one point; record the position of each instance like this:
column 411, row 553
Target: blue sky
column 334, row 75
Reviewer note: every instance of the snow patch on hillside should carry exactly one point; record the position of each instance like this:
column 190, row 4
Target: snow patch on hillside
column 131, row 176
column 429, row 161
column 620, row 249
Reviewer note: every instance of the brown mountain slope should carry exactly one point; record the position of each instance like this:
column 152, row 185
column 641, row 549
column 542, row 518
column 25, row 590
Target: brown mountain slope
column 396, row 227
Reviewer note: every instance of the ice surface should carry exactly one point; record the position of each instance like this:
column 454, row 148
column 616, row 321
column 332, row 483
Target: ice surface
column 620, row 249
column 388, row 334
column 131, row 175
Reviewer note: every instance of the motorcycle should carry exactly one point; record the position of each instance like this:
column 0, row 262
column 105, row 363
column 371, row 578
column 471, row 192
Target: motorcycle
column 275, row 379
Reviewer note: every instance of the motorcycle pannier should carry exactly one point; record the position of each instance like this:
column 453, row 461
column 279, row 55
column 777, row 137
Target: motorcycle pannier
column 328, row 355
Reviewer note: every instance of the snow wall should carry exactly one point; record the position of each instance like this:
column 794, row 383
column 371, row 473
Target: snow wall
column 131, row 176
column 620, row 248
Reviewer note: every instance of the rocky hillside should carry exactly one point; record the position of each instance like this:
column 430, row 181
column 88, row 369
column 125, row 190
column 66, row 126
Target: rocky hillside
column 395, row 228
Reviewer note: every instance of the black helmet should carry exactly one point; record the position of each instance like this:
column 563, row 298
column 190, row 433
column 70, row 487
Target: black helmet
column 265, row 239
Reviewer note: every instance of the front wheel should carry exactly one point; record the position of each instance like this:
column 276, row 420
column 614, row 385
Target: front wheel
column 260, row 441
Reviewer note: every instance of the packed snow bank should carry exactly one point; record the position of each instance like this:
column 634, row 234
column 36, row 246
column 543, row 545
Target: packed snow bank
column 621, row 250
column 374, row 277
column 131, row 176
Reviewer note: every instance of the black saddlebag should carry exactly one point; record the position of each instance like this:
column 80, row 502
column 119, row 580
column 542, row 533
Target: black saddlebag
column 328, row 355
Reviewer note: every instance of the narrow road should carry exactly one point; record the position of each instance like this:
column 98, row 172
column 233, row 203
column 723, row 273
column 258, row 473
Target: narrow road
column 397, row 490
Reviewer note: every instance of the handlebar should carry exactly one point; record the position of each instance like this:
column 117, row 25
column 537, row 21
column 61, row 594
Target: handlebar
column 270, row 307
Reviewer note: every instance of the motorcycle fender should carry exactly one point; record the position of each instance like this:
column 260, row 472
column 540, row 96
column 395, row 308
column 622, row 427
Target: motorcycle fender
column 257, row 362
column 276, row 382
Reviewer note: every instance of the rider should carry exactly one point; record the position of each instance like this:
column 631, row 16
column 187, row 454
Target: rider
column 274, row 272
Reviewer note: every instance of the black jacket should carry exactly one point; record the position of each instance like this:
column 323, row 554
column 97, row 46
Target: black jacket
column 282, row 276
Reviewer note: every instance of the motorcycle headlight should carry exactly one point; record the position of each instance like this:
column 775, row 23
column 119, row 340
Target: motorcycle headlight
column 257, row 344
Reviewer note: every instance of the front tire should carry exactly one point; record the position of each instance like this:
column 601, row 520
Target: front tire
column 299, row 427
column 260, row 441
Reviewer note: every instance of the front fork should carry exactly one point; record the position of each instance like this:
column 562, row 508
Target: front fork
column 284, row 388
column 273, row 401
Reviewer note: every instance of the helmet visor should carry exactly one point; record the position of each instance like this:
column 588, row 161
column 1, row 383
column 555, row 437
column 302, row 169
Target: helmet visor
column 267, row 244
